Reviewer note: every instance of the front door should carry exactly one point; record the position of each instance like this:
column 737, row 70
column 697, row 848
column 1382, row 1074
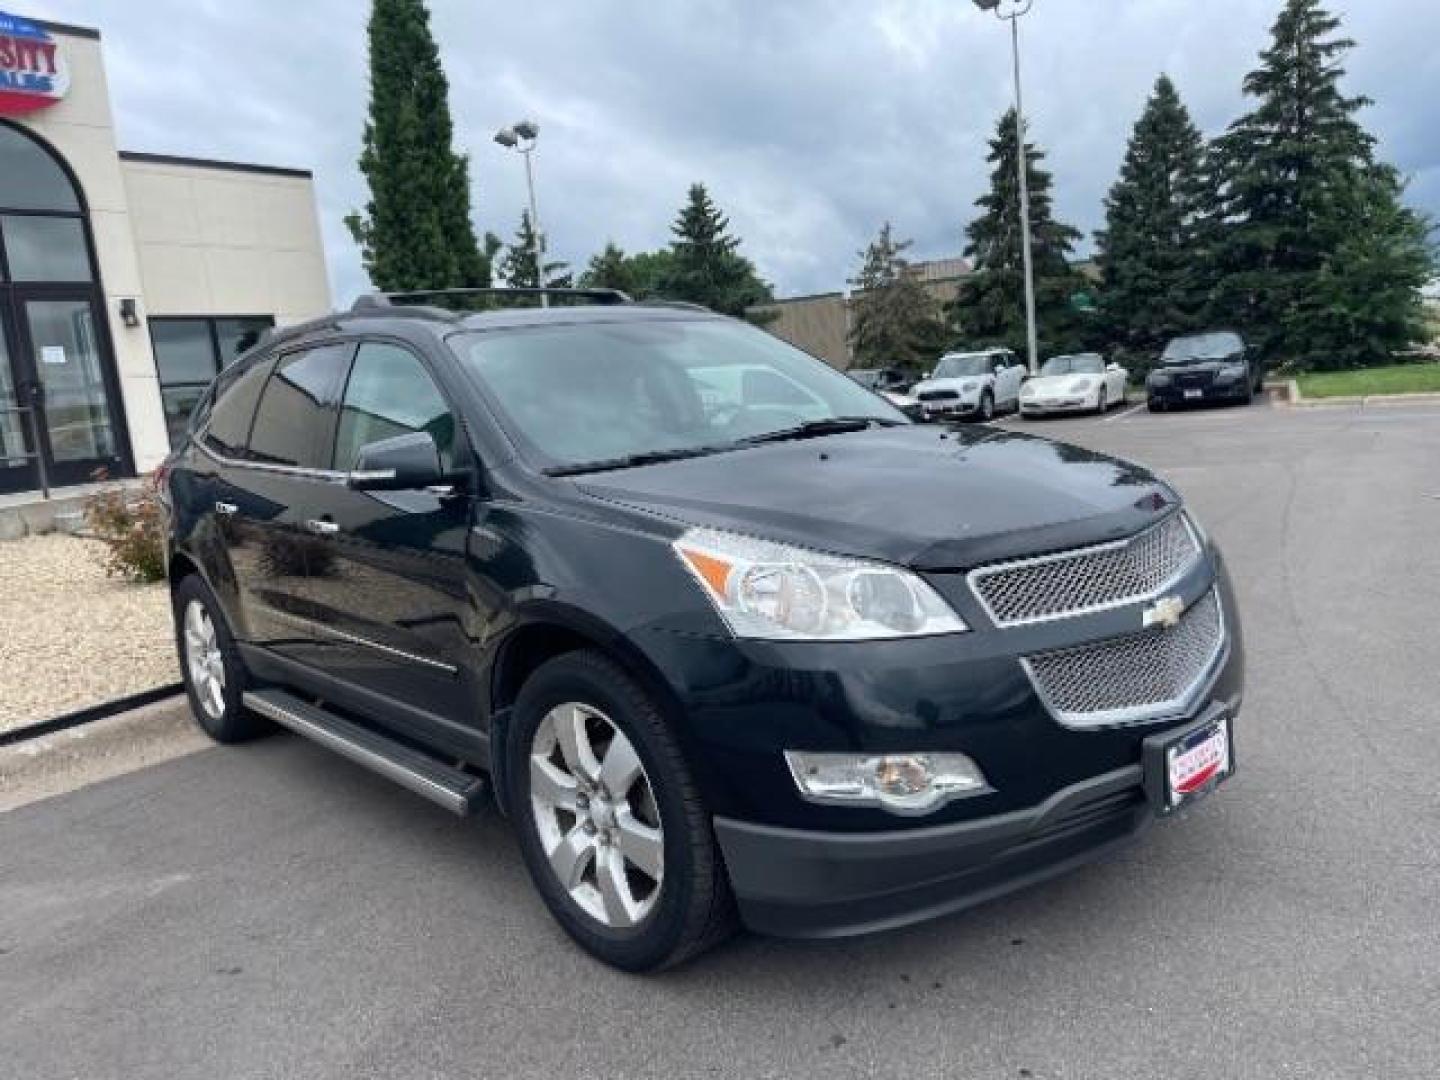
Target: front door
column 58, row 398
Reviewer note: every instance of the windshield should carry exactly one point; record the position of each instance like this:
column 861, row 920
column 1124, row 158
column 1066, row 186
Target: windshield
column 604, row 392
column 1080, row 364
column 958, row 366
column 868, row 379
column 1202, row 347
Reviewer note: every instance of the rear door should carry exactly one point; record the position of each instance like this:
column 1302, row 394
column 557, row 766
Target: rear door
column 389, row 578
column 267, row 489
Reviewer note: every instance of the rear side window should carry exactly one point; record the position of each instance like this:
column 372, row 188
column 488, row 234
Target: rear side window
column 292, row 412
column 390, row 393
column 233, row 408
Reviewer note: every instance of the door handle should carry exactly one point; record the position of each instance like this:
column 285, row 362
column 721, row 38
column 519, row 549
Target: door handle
column 322, row 528
column 225, row 509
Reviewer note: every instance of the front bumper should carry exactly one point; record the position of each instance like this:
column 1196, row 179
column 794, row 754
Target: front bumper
column 1053, row 406
column 1215, row 392
column 798, row 883
column 949, row 409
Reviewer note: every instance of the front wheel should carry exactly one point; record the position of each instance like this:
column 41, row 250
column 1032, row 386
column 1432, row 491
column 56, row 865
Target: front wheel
column 1102, row 402
column 987, row 406
column 612, row 828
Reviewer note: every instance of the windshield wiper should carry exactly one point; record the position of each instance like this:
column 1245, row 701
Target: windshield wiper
column 833, row 425
column 631, row 461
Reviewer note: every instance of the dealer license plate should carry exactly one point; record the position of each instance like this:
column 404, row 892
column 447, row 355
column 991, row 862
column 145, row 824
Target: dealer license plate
column 1190, row 765
column 1194, row 393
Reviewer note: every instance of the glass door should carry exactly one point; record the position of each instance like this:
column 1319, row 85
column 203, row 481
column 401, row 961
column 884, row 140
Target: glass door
column 63, row 377
column 17, row 461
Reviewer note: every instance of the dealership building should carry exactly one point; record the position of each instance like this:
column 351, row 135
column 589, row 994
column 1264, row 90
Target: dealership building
column 127, row 279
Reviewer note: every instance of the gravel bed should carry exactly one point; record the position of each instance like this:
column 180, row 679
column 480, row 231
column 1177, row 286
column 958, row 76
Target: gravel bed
column 70, row 636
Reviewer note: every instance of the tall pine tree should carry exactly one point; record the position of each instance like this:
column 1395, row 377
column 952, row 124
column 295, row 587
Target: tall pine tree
column 894, row 321
column 520, row 266
column 990, row 307
column 1155, row 279
column 706, row 266
column 415, row 232
column 1300, row 193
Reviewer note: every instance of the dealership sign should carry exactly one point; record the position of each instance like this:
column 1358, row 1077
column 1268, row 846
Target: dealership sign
column 33, row 71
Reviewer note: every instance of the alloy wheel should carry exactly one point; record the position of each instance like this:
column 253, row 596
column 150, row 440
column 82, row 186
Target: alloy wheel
column 596, row 815
column 203, row 660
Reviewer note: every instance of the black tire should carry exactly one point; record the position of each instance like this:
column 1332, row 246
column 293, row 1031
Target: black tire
column 1155, row 405
column 987, row 407
column 694, row 909
column 1101, row 404
column 234, row 723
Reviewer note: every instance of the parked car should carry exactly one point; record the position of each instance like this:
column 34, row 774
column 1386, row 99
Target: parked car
column 973, row 384
column 882, row 380
column 712, row 654
column 1083, row 382
column 891, row 384
column 1199, row 368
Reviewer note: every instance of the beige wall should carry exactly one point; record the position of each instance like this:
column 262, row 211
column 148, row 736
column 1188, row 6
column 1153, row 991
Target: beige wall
column 216, row 241
column 179, row 239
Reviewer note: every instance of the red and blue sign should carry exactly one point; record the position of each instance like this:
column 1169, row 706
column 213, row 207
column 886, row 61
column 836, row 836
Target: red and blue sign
column 33, row 71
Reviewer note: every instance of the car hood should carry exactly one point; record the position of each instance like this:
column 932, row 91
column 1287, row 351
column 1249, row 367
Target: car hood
column 1060, row 384
column 910, row 495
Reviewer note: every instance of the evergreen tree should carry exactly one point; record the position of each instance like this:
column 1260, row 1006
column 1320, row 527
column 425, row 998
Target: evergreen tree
column 520, row 267
column 1155, row 280
column 610, row 269
column 1299, row 192
column 706, row 266
column 990, row 307
column 415, row 232
column 894, row 321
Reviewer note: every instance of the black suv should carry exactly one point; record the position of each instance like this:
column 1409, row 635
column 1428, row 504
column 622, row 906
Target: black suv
column 1200, row 368
column 719, row 630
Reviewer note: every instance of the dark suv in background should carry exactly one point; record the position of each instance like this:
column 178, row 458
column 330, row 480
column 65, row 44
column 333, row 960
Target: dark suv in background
column 1205, row 368
column 719, row 630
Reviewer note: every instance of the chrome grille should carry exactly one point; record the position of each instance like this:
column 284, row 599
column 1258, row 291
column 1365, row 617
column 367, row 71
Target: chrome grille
column 1088, row 579
column 1135, row 678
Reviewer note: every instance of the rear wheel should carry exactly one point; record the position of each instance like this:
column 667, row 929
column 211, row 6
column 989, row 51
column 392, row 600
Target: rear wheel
column 210, row 665
column 612, row 828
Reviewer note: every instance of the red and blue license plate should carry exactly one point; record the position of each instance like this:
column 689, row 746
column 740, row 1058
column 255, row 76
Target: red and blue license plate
column 1188, row 766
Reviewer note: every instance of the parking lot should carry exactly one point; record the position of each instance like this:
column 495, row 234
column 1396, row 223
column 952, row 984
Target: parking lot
column 274, row 911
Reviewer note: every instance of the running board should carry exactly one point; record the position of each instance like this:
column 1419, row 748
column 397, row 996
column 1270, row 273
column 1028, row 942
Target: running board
column 456, row 790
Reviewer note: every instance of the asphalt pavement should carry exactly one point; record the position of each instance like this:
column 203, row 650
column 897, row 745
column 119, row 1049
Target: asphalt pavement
column 273, row 911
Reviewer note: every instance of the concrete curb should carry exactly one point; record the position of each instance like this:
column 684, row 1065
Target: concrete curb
column 54, row 764
column 1371, row 401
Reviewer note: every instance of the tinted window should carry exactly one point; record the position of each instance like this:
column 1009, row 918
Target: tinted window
column 292, row 410
column 46, row 249
column 1216, row 346
column 30, row 179
column 237, row 336
column 184, row 352
column 957, row 367
column 234, row 408
column 390, row 393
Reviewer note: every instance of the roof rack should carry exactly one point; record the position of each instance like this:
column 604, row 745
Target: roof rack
column 371, row 302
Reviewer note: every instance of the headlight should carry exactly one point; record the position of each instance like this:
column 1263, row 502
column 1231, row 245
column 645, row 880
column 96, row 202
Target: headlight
column 1027, row 390
column 1158, row 378
column 901, row 783
column 970, row 387
column 768, row 590
column 1232, row 371
column 1084, row 384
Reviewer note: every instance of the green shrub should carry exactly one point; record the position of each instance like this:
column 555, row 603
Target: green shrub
column 131, row 525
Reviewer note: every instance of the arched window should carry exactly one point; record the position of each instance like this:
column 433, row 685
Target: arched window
column 41, row 217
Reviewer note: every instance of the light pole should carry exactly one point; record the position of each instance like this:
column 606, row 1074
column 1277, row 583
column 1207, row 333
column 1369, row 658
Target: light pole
column 522, row 137
column 1011, row 11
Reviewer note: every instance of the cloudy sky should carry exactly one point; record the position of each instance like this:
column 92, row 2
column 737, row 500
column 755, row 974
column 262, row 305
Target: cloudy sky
column 812, row 121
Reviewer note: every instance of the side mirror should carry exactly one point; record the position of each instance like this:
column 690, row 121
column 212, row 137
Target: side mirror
column 401, row 463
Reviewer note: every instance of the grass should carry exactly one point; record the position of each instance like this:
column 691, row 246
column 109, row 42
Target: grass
column 1400, row 379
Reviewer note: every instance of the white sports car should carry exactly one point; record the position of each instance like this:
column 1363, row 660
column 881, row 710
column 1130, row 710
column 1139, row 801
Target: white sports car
column 1080, row 383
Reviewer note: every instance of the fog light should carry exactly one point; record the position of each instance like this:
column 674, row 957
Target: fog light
column 901, row 783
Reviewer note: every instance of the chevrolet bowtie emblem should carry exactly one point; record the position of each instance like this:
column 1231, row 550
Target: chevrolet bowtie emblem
column 1164, row 612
